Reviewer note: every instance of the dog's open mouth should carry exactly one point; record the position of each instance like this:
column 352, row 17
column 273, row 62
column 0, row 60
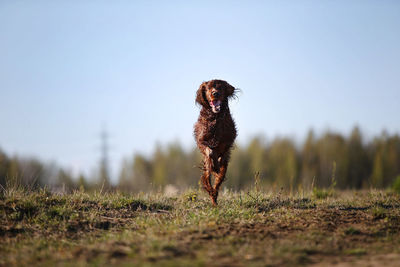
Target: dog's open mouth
column 215, row 105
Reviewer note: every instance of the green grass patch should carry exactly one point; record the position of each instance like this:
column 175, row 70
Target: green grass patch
column 253, row 228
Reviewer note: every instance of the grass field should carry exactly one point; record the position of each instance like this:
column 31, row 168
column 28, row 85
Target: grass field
column 246, row 229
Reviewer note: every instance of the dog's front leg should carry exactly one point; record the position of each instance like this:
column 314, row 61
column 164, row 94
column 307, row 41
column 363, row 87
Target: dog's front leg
column 220, row 177
column 207, row 168
column 215, row 161
column 209, row 162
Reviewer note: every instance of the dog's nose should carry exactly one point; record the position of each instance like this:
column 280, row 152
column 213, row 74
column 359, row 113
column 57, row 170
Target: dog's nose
column 215, row 93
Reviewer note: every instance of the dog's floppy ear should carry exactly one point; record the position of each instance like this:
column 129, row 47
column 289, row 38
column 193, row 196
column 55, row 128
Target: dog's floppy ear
column 201, row 95
column 230, row 90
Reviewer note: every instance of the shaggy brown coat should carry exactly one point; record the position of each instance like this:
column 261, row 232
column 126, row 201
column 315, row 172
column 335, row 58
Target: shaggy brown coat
column 215, row 132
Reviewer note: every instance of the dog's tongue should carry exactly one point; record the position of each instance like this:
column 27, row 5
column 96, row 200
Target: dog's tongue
column 216, row 103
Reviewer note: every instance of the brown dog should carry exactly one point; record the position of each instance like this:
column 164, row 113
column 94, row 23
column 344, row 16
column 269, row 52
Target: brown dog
column 215, row 132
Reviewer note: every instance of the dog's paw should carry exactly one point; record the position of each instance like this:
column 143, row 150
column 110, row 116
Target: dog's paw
column 214, row 197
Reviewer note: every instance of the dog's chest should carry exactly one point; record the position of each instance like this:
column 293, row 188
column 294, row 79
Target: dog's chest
column 220, row 131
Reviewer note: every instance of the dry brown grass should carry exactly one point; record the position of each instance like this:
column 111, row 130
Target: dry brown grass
column 252, row 228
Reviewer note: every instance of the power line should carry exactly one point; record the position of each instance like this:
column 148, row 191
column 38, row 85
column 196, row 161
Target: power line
column 104, row 160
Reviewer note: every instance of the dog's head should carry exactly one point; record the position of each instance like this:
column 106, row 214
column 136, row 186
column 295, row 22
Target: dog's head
column 215, row 94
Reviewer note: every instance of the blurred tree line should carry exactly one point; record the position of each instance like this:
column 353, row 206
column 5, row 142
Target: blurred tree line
column 33, row 174
column 352, row 162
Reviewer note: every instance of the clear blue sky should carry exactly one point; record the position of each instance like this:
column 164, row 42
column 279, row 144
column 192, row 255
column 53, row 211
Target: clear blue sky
column 67, row 67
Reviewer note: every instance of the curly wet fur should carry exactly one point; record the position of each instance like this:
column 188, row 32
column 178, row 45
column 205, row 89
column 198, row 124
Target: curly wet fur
column 215, row 133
